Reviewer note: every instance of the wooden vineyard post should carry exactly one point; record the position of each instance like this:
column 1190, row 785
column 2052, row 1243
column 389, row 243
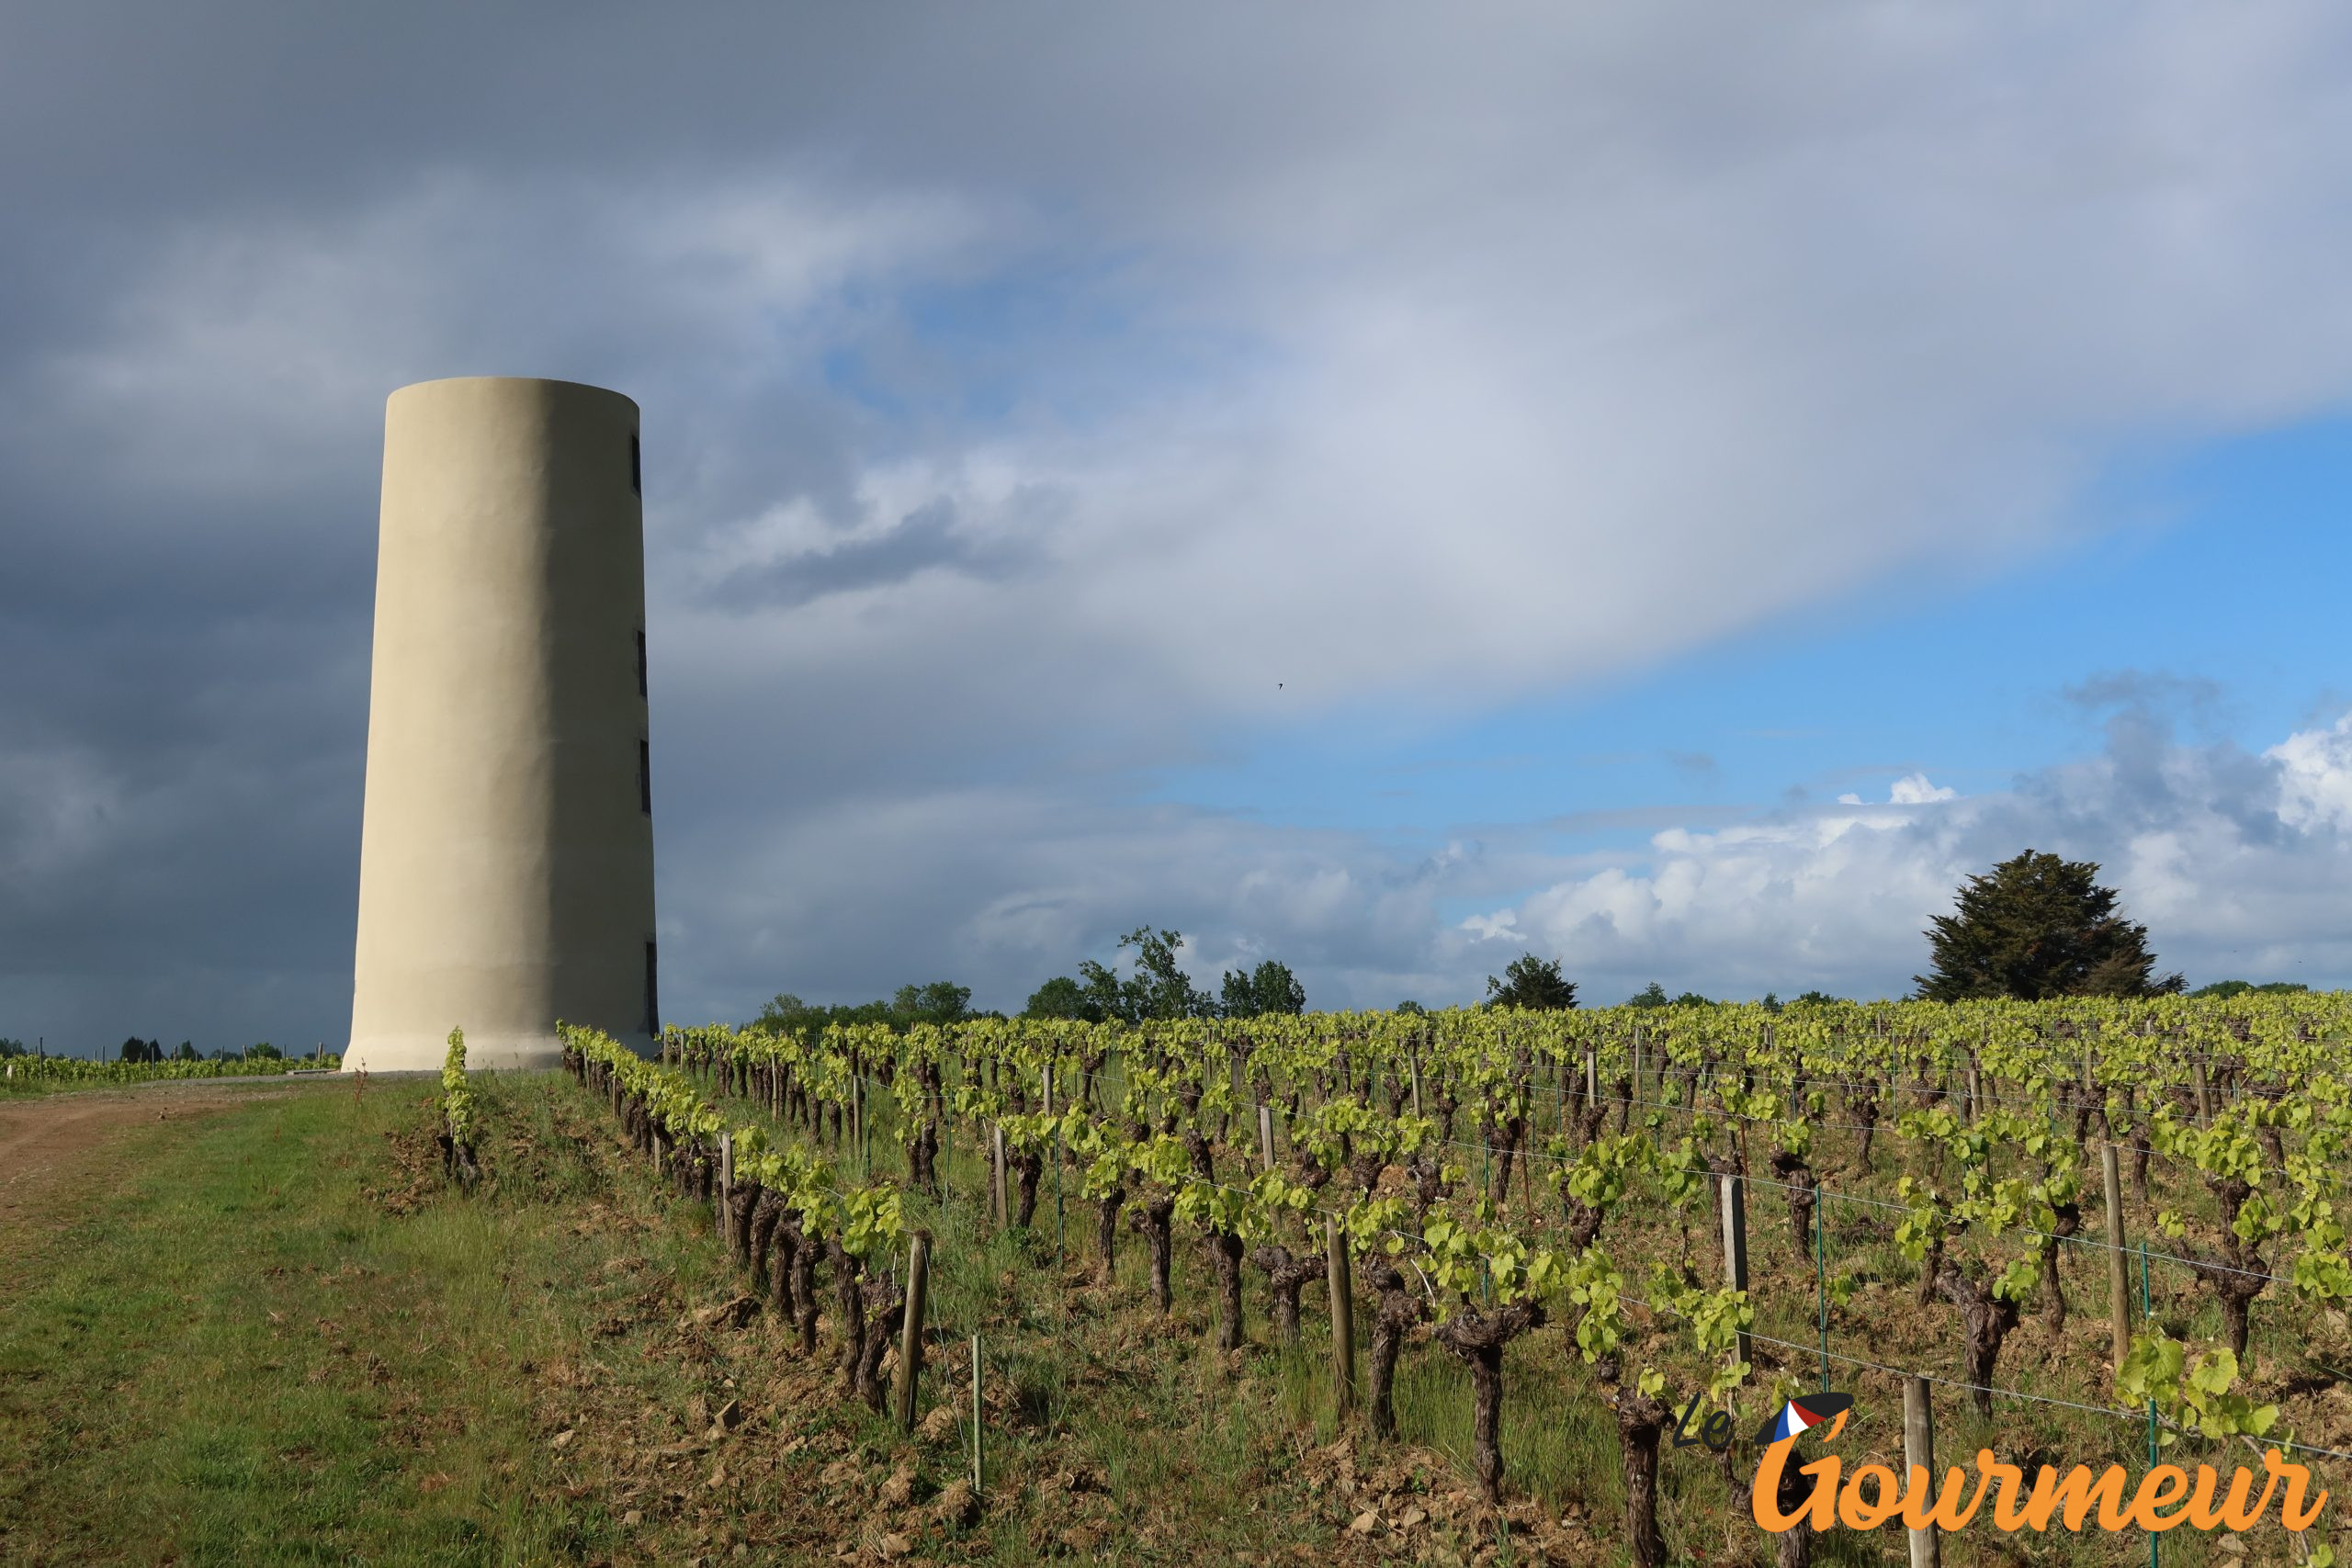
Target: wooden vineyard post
column 2119, row 1268
column 1417, row 1083
column 725, row 1170
column 2204, row 1099
column 1266, row 1135
column 1975, row 1090
column 1343, row 1319
column 1735, row 1213
column 1919, row 1456
column 911, row 1327
column 1591, row 1079
column 1003, row 1212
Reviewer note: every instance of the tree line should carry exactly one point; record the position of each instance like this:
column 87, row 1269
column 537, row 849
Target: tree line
column 2035, row 927
column 1154, row 987
column 134, row 1049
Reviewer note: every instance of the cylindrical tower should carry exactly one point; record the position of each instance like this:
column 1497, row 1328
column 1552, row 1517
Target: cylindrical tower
column 506, row 845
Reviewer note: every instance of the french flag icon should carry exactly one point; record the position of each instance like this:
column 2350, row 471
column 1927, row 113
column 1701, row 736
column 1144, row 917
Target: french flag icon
column 1798, row 1414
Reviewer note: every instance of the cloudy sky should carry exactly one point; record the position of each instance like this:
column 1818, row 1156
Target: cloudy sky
column 1383, row 487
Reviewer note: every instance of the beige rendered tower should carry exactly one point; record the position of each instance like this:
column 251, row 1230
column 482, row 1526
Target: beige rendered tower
column 507, row 847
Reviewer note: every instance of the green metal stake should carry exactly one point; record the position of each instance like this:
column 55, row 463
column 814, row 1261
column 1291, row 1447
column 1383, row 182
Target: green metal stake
column 1820, row 1280
column 2154, row 1545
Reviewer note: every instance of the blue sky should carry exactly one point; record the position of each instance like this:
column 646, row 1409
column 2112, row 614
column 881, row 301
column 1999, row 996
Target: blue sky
column 2212, row 577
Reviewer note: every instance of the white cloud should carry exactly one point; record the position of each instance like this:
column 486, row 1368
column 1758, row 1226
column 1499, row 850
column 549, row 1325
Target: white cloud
column 2236, row 864
column 2316, row 778
column 1912, row 789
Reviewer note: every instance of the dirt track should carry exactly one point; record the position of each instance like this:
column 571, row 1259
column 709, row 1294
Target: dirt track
column 45, row 1143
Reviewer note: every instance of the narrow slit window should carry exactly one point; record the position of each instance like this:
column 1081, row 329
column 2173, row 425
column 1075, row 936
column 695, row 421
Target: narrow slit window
column 636, row 469
column 645, row 776
column 652, row 993
column 641, row 664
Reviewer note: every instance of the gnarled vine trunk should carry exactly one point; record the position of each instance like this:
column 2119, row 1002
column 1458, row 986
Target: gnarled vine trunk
column 2069, row 1221
column 1799, row 1187
column 1987, row 1321
column 1400, row 1308
column 884, row 1303
column 850, row 1309
column 1027, row 1164
column 1285, row 1276
column 1106, row 1231
column 1153, row 1218
column 1641, row 1421
column 1478, row 1337
column 804, row 1288
column 1225, row 1261
column 2239, row 1273
column 765, row 1212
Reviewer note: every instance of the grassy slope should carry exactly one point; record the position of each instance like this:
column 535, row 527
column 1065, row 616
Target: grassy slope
column 272, row 1336
column 236, row 1352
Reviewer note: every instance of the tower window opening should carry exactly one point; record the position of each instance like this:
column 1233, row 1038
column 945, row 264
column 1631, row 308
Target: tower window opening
column 653, row 992
column 645, row 776
column 641, row 664
column 636, row 470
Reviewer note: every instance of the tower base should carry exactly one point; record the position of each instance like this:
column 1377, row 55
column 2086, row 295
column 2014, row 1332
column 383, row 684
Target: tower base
column 428, row 1053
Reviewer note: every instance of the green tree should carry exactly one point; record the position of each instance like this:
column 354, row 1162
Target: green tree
column 2222, row 990
column 1814, row 998
column 1531, row 982
column 1062, row 997
column 1650, row 996
column 265, row 1052
column 1270, row 988
column 786, row 1013
column 11, row 1048
column 1157, row 987
column 941, row 1001
column 2036, row 927
column 1408, row 1005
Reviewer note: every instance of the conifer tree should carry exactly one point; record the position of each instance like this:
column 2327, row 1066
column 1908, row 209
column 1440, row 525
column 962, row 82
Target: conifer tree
column 2038, row 926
